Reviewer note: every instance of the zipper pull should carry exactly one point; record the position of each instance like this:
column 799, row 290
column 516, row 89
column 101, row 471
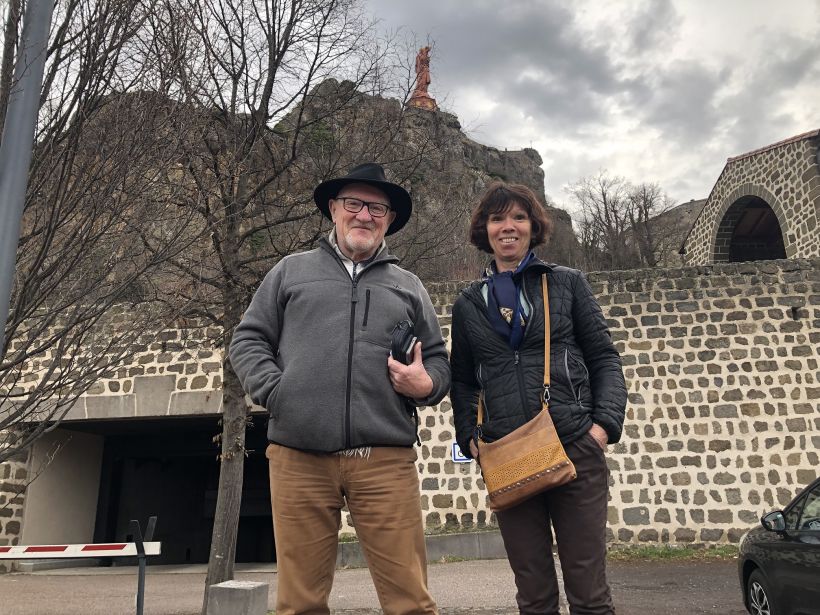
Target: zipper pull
column 354, row 295
column 516, row 357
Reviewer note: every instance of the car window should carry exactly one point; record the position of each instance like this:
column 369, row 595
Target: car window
column 810, row 519
column 792, row 516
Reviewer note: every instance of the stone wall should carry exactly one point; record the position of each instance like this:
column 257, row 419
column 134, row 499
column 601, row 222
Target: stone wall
column 177, row 373
column 724, row 390
column 13, row 478
column 787, row 176
column 723, row 421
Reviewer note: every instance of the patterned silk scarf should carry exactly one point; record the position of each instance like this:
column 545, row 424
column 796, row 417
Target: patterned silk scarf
column 504, row 301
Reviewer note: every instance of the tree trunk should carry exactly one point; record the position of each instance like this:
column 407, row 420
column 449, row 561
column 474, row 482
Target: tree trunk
column 229, row 496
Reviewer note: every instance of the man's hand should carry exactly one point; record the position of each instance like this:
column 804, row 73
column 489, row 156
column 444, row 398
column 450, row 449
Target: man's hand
column 473, row 450
column 412, row 380
column 599, row 435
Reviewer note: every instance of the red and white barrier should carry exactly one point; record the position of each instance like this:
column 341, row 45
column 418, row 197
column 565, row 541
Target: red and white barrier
column 120, row 549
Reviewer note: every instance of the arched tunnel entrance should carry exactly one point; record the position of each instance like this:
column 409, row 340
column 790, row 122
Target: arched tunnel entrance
column 749, row 231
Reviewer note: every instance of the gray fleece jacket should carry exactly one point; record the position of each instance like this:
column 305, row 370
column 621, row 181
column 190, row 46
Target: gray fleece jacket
column 313, row 344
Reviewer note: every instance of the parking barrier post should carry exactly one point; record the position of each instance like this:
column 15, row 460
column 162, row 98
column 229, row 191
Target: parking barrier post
column 142, row 547
column 138, row 541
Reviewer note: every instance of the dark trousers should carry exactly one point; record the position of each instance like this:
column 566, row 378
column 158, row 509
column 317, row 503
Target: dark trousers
column 577, row 512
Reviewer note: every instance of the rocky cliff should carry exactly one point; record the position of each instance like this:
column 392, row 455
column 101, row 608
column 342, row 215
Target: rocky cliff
column 473, row 165
column 428, row 153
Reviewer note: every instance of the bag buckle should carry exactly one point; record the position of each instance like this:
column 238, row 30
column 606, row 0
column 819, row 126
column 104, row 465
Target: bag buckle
column 546, row 395
column 477, row 433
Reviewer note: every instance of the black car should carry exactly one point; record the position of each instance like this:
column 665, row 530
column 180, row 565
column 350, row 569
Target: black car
column 779, row 562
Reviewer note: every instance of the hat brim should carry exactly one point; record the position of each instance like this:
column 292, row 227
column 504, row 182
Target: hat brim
column 400, row 201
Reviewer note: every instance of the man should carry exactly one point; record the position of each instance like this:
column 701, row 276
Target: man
column 313, row 348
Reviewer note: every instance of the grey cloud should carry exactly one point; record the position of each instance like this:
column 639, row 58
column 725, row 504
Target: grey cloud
column 538, row 61
column 653, row 26
column 556, row 102
column 784, row 66
column 526, row 55
column 516, row 41
column 564, row 168
column 704, row 172
column 756, row 114
column 682, row 101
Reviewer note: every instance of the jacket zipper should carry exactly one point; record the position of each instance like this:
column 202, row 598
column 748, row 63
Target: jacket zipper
column 528, row 329
column 520, row 372
column 569, row 377
column 486, row 417
column 354, row 298
column 517, row 357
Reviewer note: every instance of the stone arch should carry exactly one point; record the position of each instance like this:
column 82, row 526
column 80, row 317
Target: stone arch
column 751, row 225
column 786, row 175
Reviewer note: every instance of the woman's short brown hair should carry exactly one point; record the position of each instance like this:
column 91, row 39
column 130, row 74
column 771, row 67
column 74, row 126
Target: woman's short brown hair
column 498, row 198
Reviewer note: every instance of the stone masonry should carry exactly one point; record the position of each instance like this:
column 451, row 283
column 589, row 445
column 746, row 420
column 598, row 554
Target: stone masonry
column 723, row 421
column 13, row 478
column 786, row 175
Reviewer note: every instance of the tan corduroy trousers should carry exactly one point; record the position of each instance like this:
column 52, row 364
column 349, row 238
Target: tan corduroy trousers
column 381, row 491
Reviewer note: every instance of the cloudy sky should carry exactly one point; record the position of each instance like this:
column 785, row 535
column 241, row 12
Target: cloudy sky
column 654, row 90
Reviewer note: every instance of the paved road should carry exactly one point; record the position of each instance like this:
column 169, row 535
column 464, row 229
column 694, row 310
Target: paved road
column 475, row 587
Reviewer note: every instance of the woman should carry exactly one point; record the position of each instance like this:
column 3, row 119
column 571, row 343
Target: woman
column 498, row 349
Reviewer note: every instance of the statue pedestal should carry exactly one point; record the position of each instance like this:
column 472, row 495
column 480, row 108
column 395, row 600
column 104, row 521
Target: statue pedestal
column 423, row 101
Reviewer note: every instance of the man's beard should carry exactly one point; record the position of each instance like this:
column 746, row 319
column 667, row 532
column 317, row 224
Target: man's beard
column 357, row 244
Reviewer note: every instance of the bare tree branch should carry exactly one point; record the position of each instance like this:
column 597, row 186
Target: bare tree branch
column 98, row 188
column 619, row 222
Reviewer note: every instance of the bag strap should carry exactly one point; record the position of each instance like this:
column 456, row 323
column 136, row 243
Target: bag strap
column 546, row 395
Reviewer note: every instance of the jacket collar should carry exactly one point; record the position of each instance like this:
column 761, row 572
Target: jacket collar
column 536, row 265
column 383, row 255
column 541, row 266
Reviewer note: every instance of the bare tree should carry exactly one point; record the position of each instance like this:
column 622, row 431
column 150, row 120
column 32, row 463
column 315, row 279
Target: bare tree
column 201, row 126
column 283, row 95
column 651, row 236
column 603, row 221
column 96, row 187
column 619, row 223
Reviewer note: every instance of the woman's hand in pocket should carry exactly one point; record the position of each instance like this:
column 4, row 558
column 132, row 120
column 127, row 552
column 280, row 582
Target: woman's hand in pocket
column 599, row 435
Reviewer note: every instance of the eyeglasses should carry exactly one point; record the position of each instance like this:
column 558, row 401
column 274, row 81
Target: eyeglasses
column 354, row 206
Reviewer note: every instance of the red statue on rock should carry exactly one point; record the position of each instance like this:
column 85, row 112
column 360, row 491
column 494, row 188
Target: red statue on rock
column 420, row 97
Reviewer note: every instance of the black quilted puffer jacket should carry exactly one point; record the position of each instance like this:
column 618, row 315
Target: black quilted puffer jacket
column 587, row 382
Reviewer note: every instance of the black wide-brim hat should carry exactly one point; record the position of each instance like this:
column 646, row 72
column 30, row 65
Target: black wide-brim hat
column 371, row 174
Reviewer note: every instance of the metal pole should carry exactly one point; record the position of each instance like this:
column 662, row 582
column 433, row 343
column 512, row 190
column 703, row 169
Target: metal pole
column 18, row 138
column 139, row 542
column 135, row 530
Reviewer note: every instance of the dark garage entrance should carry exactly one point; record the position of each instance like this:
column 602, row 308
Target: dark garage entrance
column 168, row 468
